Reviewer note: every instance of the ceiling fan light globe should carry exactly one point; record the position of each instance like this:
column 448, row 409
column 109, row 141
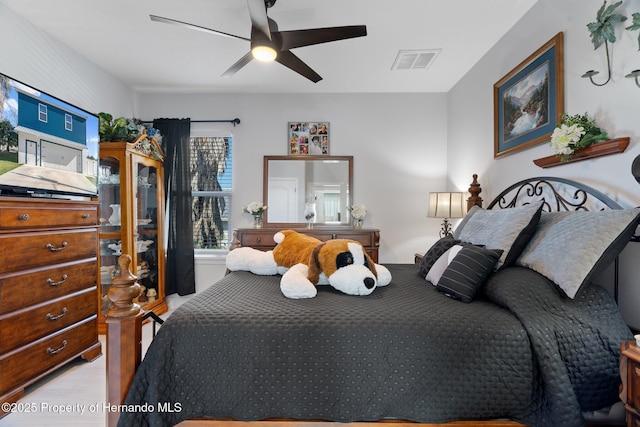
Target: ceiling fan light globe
column 264, row 53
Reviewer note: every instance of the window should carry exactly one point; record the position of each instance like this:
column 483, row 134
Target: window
column 68, row 122
column 211, row 190
column 42, row 113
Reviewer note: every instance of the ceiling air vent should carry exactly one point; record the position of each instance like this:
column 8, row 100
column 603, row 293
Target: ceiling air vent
column 415, row 59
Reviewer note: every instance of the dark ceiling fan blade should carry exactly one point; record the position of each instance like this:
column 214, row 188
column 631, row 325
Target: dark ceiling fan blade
column 238, row 65
column 259, row 19
column 294, row 63
column 299, row 38
column 195, row 27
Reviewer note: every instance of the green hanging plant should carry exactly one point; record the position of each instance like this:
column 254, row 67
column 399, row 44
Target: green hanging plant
column 602, row 30
column 635, row 25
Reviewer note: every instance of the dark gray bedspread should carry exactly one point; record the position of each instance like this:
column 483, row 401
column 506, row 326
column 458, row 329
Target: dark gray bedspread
column 241, row 350
column 576, row 342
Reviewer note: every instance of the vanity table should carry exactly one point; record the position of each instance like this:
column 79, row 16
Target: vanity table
column 262, row 238
column 295, row 186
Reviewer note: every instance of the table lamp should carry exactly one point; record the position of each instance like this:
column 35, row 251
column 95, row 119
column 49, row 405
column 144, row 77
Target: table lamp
column 446, row 205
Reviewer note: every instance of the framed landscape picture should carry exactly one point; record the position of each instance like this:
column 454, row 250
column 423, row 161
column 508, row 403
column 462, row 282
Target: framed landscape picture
column 309, row 138
column 529, row 101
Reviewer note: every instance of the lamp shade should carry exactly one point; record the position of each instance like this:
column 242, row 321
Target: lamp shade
column 446, row 205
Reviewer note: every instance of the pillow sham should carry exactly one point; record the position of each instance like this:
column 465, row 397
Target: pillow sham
column 506, row 229
column 438, row 267
column 571, row 247
column 467, row 272
column 434, row 253
column 463, row 222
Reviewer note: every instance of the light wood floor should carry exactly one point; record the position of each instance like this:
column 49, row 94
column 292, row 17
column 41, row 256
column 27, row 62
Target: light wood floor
column 74, row 395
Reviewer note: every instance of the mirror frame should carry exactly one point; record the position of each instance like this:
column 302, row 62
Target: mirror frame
column 265, row 190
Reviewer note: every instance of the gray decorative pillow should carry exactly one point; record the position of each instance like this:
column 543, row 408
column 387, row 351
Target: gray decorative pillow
column 467, row 272
column 570, row 247
column 506, row 229
column 434, row 252
column 463, row 223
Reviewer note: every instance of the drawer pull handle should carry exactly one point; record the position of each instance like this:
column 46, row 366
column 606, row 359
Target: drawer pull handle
column 50, row 282
column 258, row 239
column 58, row 316
column 24, row 217
column 85, row 216
column 58, row 249
column 58, row 350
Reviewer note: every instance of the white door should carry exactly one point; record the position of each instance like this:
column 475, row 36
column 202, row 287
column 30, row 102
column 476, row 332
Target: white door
column 31, row 153
column 283, row 200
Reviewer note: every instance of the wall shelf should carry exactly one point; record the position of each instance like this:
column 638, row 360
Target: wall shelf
column 605, row 148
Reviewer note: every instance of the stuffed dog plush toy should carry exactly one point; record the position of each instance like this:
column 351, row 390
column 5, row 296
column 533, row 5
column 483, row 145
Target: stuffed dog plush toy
column 305, row 262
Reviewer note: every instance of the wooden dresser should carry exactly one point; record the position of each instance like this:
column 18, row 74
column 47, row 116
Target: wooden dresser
column 630, row 373
column 48, row 289
column 262, row 238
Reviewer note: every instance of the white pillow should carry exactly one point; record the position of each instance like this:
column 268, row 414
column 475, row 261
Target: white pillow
column 438, row 267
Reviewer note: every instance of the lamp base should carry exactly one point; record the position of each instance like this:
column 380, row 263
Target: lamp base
column 446, row 228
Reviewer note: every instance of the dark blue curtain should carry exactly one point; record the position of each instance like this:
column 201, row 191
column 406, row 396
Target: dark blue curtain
column 180, row 271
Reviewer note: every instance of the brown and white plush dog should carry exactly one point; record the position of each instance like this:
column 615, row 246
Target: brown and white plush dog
column 305, row 262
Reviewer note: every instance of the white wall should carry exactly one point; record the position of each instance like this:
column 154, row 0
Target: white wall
column 34, row 58
column 615, row 106
column 405, row 145
column 398, row 142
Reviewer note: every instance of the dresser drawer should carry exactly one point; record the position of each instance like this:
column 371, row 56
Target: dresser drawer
column 258, row 239
column 23, row 326
column 321, row 235
column 24, row 288
column 24, row 364
column 27, row 250
column 47, row 216
column 364, row 239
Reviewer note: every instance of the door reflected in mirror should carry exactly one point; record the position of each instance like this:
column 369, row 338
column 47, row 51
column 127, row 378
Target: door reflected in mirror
column 291, row 183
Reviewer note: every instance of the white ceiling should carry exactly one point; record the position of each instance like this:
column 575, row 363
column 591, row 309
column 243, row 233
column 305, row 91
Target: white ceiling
column 118, row 36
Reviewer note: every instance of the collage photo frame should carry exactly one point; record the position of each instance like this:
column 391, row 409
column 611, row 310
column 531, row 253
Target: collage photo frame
column 308, row 138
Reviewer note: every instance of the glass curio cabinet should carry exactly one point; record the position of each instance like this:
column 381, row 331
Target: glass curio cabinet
column 131, row 180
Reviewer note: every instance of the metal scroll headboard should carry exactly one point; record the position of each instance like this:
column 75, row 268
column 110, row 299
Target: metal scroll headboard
column 557, row 194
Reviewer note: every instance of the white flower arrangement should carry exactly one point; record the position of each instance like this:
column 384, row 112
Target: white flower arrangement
column 565, row 138
column 358, row 211
column 255, row 208
column 573, row 133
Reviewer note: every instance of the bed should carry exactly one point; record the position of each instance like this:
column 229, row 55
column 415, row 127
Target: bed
column 519, row 351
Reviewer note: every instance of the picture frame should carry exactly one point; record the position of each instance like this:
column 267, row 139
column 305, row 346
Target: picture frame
column 308, row 138
column 529, row 100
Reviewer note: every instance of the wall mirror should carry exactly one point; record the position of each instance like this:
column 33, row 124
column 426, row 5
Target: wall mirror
column 316, row 187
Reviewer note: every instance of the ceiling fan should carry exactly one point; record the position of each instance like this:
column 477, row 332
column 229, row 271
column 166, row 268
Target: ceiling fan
column 269, row 44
